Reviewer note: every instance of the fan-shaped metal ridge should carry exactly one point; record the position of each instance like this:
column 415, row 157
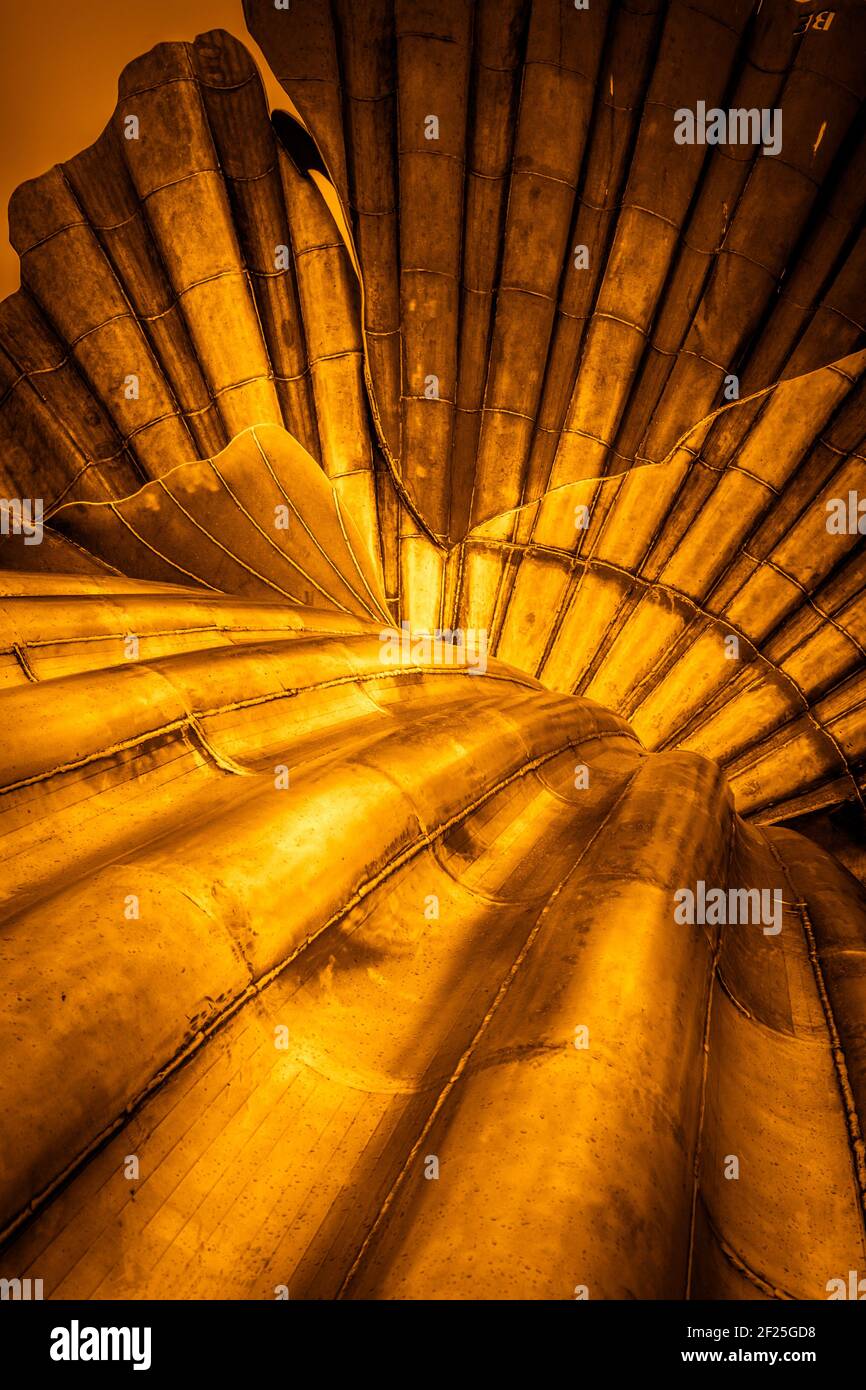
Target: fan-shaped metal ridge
column 436, row 609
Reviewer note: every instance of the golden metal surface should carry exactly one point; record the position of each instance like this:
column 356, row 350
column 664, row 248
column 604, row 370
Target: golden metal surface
column 351, row 961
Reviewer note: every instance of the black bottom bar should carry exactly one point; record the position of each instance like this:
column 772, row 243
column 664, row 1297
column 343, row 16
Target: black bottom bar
column 411, row 1341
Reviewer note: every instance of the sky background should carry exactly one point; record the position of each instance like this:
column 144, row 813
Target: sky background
column 59, row 65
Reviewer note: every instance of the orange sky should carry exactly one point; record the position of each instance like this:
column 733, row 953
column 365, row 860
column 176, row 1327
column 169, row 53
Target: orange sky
column 59, row 65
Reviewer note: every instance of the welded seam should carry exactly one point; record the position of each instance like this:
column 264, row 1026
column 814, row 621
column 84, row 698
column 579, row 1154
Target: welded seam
column 284, row 555
column 382, row 611
column 729, row 993
column 310, row 533
column 857, row 1149
column 705, row 1068
column 20, row 655
column 739, row 1264
column 256, row 987
column 145, row 543
column 693, row 723
column 196, row 736
column 277, row 635
column 463, row 1062
column 289, row 693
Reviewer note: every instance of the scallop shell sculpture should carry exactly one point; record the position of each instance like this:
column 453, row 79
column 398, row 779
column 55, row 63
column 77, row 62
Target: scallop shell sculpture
column 436, row 629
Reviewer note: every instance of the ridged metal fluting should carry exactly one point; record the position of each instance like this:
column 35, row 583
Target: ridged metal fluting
column 560, row 388
column 445, row 344
column 555, row 132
